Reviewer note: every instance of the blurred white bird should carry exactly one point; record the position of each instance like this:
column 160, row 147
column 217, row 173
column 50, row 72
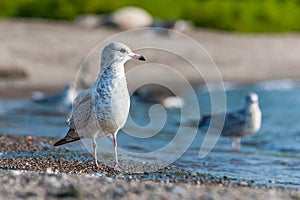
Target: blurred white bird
column 102, row 109
column 61, row 102
column 153, row 93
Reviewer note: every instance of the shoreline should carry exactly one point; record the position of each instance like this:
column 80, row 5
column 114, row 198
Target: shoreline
column 39, row 170
column 240, row 58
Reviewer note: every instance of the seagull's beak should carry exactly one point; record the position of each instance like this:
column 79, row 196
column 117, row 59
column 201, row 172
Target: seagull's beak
column 137, row 57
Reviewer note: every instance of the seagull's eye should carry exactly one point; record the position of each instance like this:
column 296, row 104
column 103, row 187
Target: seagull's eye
column 122, row 50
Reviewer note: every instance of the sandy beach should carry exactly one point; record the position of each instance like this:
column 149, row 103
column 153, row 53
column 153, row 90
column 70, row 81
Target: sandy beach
column 45, row 55
column 52, row 177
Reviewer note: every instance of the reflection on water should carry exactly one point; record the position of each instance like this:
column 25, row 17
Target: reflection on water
column 272, row 156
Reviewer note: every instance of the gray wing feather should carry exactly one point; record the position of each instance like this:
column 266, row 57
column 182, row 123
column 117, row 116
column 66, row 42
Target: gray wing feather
column 82, row 109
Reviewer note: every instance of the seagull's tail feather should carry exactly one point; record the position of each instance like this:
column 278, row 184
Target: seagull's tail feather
column 71, row 136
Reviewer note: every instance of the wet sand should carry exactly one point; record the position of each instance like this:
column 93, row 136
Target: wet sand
column 45, row 173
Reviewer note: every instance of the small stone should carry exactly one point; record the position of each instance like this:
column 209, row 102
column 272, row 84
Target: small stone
column 29, row 137
column 177, row 191
column 49, row 170
column 89, row 21
column 150, row 187
column 15, row 172
column 243, row 183
column 118, row 192
column 108, row 179
column 193, row 173
column 271, row 181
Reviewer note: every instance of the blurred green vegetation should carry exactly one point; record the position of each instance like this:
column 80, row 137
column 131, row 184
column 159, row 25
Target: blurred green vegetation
column 232, row 15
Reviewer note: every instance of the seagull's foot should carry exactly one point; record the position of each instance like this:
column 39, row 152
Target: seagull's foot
column 97, row 166
column 117, row 165
column 236, row 145
column 236, row 150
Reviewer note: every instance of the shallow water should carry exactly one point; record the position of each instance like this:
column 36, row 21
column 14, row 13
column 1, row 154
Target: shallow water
column 271, row 156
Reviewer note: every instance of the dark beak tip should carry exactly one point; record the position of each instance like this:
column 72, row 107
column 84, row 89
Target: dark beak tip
column 142, row 58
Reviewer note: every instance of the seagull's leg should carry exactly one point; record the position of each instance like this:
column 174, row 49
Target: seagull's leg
column 236, row 144
column 115, row 148
column 95, row 152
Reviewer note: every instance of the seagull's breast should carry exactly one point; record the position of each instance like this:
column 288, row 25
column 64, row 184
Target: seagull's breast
column 112, row 103
column 255, row 118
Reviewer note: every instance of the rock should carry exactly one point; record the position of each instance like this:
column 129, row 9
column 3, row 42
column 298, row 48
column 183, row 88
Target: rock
column 131, row 17
column 177, row 191
column 193, row 173
column 243, row 183
column 118, row 192
column 150, row 187
column 183, row 26
column 13, row 73
column 109, row 179
column 91, row 21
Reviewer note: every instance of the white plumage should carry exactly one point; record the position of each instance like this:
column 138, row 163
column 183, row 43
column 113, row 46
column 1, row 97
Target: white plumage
column 103, row 108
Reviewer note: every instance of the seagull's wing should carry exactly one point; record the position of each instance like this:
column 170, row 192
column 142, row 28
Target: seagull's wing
column 82, row 109
column 236, row 118
column 234, row 123
column 233, row 120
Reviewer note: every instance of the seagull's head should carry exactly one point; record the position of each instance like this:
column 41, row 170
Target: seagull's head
column 116, row 52
column 252, row 98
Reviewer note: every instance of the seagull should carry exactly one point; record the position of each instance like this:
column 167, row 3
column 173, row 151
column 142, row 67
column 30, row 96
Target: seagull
column 239, row 123
column 102, row 109
column 62, row 101
column 158, row 94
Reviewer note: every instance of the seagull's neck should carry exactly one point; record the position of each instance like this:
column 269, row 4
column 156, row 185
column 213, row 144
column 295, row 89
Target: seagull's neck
column 252, row 107
column 111, row 75
column 254, row 113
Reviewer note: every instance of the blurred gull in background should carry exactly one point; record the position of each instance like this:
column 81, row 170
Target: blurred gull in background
column 238, row 123
column 61, row 102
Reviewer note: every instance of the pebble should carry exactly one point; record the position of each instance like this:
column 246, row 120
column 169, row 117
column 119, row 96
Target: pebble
column 193, row 173
column 177, row 190
column 271, row 181
column 118, row 192
column 150, row 187
column 108, row 179
column 89, row 21
column 243, row 183
column 44, row 176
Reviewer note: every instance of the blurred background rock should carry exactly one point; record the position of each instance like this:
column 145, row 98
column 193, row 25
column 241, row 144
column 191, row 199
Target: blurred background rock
column 44, row 42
